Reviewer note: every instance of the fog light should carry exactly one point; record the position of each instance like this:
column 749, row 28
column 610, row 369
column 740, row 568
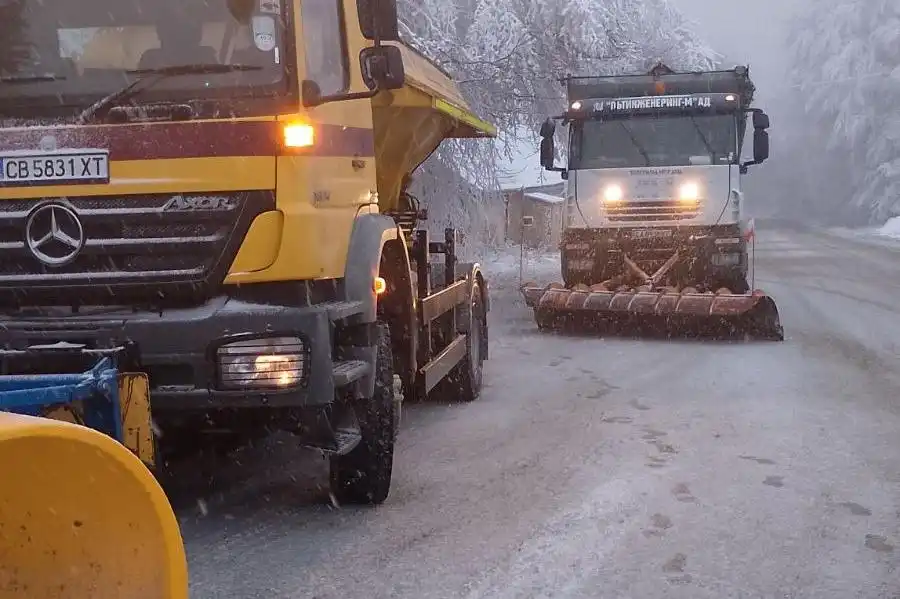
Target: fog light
column 266, row 363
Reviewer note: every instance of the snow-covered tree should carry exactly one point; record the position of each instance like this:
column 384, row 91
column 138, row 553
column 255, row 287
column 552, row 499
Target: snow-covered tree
column 508, row 55
column 847, row 65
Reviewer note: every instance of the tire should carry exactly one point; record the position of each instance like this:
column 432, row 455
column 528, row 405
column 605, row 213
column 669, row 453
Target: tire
column 363, row 476
column 399, row 397
column 471, row 368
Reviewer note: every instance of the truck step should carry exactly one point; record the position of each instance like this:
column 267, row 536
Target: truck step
column 346, row 441
column 347, row 372
column 342, row 310
column 341, row 442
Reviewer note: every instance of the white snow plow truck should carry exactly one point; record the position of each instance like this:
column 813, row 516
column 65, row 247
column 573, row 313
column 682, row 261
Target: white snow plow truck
column 654, row 231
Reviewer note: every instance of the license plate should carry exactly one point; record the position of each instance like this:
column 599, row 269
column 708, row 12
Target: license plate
column 651, row 233
column 54, row 168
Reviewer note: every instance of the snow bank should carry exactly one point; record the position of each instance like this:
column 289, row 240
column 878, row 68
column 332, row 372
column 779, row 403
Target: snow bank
column 891, row 228
column 506, row 268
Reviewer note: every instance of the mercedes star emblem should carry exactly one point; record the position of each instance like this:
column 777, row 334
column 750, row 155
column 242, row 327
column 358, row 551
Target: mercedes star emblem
column 54, row 234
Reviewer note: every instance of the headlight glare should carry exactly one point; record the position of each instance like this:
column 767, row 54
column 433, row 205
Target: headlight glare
column 613, row 193
column 689, row 192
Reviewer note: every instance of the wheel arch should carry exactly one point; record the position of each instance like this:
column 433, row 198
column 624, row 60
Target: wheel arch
column 378, row 248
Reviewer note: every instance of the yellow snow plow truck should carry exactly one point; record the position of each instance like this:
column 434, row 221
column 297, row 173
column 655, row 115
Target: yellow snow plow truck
column 205, row 204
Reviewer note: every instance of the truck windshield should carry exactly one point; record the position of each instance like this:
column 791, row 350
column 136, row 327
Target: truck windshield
column 69, row 53
column 669, row 140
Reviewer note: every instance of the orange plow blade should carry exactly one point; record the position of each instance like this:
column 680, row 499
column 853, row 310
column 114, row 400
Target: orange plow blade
column 667, row 311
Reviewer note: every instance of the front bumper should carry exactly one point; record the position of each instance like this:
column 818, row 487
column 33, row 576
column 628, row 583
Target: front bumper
column 708, row 251
column 177, row 348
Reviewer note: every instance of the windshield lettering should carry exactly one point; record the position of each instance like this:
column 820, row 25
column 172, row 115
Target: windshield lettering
column 629, row 104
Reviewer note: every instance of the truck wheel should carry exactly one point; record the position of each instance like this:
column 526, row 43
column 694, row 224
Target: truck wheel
column 363, row 476
column 471, row 368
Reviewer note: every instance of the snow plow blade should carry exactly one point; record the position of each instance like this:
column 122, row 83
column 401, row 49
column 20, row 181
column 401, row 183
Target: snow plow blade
column 81, row 516
column 665, row 311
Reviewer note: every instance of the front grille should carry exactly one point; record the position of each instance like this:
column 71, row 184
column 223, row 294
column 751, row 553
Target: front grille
column 158, row 245
column 660, row 210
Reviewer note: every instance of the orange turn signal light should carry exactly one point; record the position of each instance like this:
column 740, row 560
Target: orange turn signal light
column 299, row 135
column 379, row 285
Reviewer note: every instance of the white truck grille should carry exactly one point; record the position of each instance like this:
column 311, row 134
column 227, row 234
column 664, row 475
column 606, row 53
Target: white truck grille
column 657, row 210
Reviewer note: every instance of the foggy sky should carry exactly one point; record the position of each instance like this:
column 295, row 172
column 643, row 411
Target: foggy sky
column 751, row 32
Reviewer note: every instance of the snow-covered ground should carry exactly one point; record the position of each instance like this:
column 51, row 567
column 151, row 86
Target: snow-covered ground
column 608, row 467
column 887, row 235
column 533, row 264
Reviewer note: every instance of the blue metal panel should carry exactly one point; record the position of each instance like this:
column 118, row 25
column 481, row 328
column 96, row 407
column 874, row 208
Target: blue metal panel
column 97, row 389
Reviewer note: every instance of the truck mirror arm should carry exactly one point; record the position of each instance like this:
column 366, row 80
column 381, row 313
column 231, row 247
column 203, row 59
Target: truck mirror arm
column 382, row 68
column 311, row 99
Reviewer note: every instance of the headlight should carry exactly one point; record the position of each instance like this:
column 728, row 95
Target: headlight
column 266, row 363
column 613, row 193
column 689, row 192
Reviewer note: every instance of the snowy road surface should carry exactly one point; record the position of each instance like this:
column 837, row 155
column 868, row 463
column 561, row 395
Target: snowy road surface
column 610, row 468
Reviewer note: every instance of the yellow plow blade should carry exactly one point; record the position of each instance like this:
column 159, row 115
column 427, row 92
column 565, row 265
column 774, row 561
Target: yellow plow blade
column 81, row 516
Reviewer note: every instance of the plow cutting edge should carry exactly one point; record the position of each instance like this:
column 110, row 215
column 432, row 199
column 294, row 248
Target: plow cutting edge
column 754, row 313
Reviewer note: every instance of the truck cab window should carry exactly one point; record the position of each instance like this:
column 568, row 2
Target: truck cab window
column 180, row 42
column 323, row 37
column 66, row 55
column 667, row 140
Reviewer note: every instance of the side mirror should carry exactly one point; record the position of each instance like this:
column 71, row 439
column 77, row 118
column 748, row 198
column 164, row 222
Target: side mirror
column 378, row 20
column 310, row 93
column 547, row 153
column 548, row 128
column 760, row 146
column 760, row 120
column 382, row 67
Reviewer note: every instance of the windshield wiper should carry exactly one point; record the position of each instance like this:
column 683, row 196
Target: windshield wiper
column 150, row 77
column 639, row 147
column 709, row 148
column 29, row 78
column 195, row 69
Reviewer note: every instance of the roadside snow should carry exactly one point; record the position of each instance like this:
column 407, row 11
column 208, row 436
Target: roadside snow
column 891, row 228
column 887, row 235
column 536, row 264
